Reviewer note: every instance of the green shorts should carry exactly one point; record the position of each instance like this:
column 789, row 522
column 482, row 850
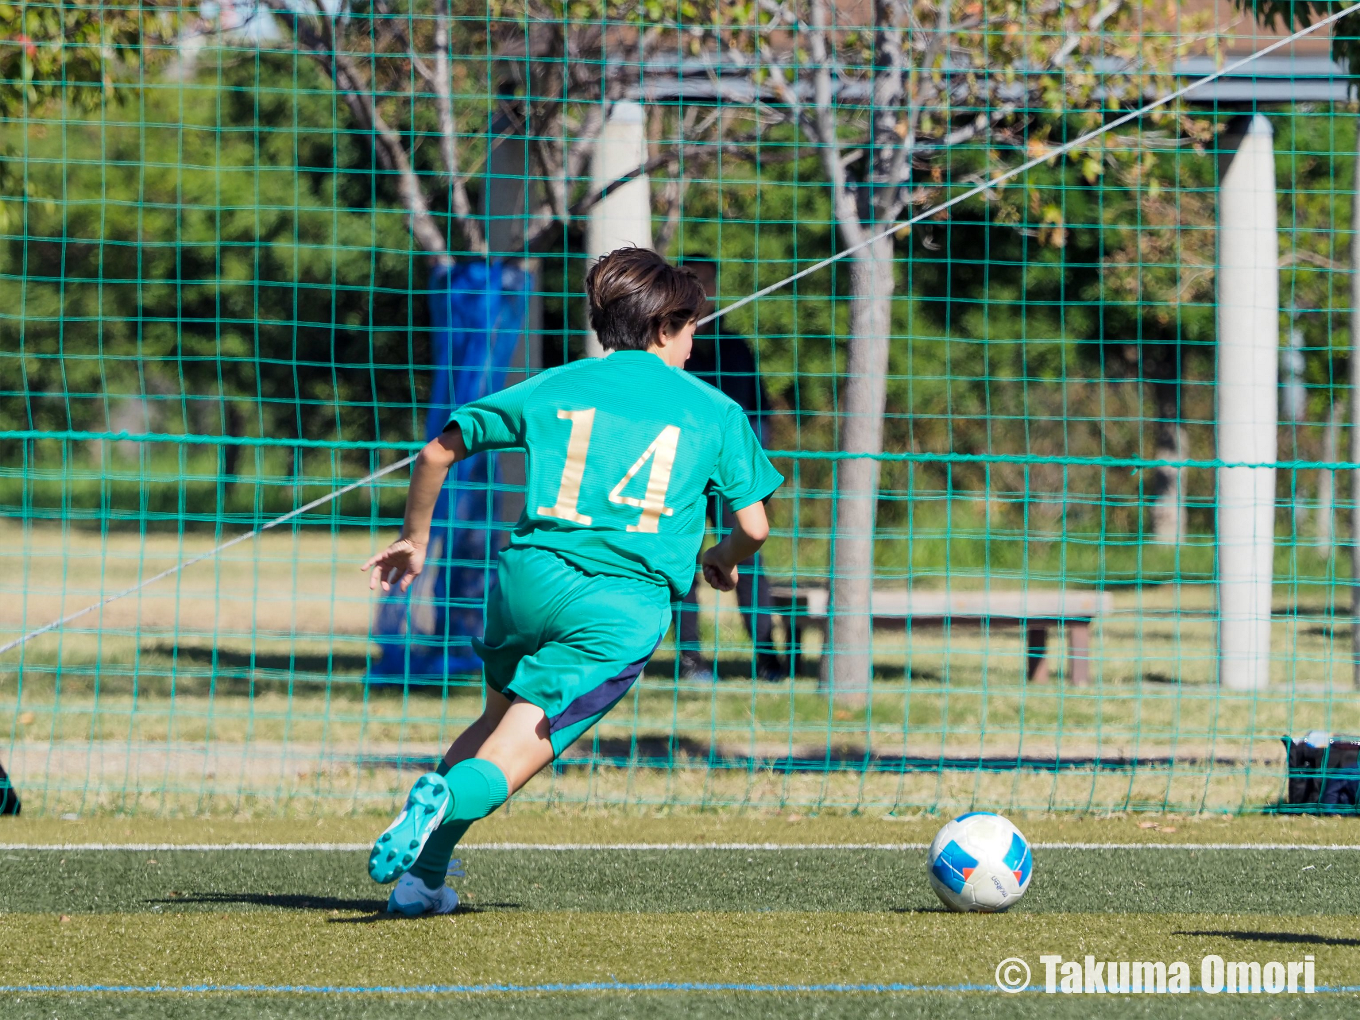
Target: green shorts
column 569, row 642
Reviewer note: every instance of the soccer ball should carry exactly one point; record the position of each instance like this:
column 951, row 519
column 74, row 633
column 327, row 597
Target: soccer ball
column 979, row 862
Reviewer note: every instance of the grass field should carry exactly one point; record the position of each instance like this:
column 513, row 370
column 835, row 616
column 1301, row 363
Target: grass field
column 756, row 916
column 239, row 681
column 235, row 694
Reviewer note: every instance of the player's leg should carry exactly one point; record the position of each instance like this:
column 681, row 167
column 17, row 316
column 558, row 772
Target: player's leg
column 471, row 789
column 427, row 808
column 432, row 863
column 426, row 812
column 597, row 648
column 757, row 602
column 472, row 738
column 593, row 636
column 692, row 665
column 481, row 775
column 521, row 745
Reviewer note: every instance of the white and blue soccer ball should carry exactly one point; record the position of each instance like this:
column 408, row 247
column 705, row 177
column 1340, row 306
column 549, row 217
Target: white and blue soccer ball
column 980, row 863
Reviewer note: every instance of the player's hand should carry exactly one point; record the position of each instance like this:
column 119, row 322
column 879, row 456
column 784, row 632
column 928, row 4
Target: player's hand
column 718, row 571
column 400, row 564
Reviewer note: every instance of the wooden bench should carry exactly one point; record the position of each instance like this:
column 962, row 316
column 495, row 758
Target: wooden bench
column 1036, row 611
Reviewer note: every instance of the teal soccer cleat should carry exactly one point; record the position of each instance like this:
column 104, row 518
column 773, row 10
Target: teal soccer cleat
column 399, row 846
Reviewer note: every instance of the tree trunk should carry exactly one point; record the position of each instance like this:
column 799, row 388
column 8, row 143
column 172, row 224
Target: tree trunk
column 1169, row 519
column 847, row 665
column 1326, row 512
column 1355, row 422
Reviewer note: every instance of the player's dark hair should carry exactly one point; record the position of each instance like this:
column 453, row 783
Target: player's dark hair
column 634, row 293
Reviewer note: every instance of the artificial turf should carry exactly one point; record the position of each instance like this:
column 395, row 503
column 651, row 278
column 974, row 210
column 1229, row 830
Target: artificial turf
column 774, row 917
column 678, row 881
column 324, row 949
column 667, row 1006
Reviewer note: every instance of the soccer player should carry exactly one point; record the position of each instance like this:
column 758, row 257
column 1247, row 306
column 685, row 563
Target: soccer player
column 622, row 453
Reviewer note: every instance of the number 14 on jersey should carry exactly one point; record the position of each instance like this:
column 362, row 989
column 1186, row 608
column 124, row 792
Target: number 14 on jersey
column 661, row 453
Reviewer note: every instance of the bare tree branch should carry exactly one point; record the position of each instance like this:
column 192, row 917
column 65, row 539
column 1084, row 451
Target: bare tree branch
column 448, row 131
column 917, row 95
column 573, row 166
column 889, row 71
column 673, row 203
column 793, row 106
column 579, row 73
column 986, row 121
column 365, row 109
column 668, row 158
column 564, row 77
column 391, row 28
column 1073, row 40
column 843, row 200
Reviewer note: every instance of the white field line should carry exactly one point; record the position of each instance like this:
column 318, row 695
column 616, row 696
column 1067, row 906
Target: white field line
column 356, row 847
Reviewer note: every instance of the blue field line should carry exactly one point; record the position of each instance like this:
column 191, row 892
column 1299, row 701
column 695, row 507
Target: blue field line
column 494, row 989
column 578, row 986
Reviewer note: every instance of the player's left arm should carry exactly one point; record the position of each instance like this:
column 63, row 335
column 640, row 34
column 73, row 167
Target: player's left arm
column 739, row 545
column 402, row 561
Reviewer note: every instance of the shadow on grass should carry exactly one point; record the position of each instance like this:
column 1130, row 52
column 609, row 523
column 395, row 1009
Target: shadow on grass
column 1293, row 937
column 166, row 669
column 1326, row 630
column 661, row 751
column 740, row 669
column 227, row 659
column 743, row 670
column 381, row 916
column 279, row 901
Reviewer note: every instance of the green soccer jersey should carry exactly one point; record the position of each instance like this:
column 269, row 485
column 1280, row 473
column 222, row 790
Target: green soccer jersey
column 622, row 453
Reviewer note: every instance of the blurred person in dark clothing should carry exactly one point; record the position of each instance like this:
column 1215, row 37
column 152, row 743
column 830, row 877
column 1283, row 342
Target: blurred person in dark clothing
column 724, row 359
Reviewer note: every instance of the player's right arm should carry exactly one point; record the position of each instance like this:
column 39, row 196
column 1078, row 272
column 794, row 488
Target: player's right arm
column 402, row 561
column 495, row 422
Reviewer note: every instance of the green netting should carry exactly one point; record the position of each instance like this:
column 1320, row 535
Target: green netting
column 1004, row 427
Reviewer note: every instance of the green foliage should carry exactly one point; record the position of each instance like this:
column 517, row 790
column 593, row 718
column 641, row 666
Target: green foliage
column 232, row 262
column 1059, row 316
column 1292, row 15
column 76, row 49
column 220, row 251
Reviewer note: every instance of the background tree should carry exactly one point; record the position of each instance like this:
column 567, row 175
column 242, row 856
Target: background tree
column 887, row 104
column 77, row 55
column 411, row 74
column 78, row 49
column 253, row 285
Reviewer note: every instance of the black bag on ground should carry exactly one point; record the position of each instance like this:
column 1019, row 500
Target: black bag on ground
column 9, row 797
column 1324, row 772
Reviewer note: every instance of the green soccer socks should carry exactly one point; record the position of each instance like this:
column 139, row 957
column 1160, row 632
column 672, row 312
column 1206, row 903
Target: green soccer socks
column 432, row 866
column 478, row 787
